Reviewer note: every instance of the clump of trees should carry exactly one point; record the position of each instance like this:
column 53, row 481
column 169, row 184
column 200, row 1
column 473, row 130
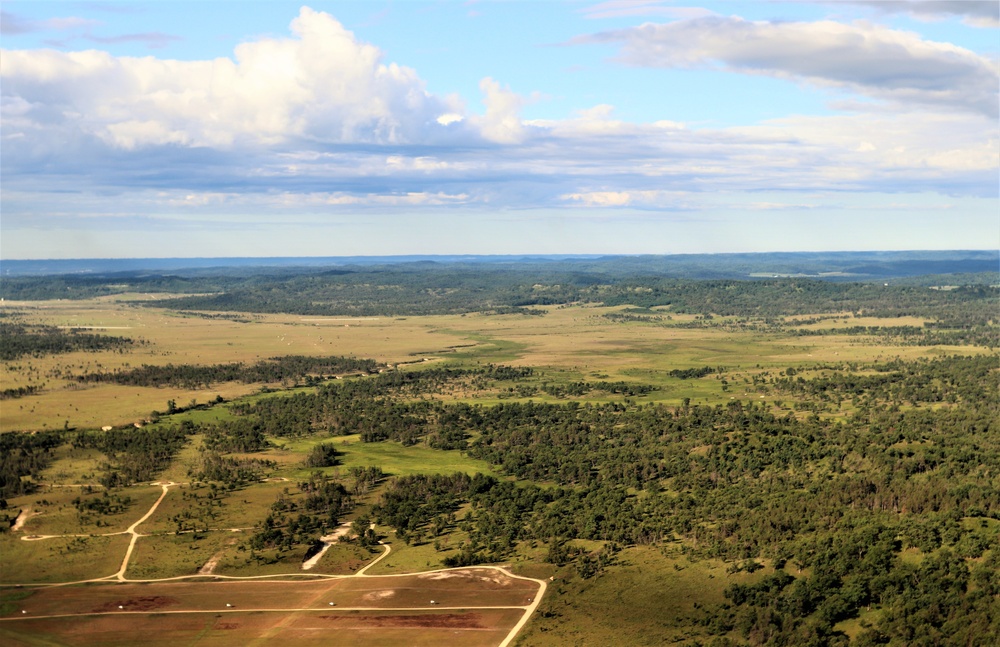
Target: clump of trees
column 136, row 454
column 323, row 455
column 22, row 458
column 191, row 376
column 19, row 340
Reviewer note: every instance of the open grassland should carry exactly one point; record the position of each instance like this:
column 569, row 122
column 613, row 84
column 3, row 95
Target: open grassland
column 416, row 556
column 568, row 343
column 188, row 506
column 373, row 608
column 660, row 591
column 59, row 559
column 399, row 460
column 52, row 511
column 74, row 466
column 161, row 556
column 471, row 587
column 478, row 628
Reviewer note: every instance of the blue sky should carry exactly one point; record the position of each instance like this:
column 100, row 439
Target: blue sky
column 625, row 126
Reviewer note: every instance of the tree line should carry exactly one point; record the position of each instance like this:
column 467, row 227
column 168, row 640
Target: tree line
column 20, row 340
column 192, row 376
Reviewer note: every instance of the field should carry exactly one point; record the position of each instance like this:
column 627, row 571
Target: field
column 480, row 605
column 587, row 345
column 179, row 559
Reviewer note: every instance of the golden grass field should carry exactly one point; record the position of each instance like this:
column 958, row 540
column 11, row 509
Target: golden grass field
column 568, row 343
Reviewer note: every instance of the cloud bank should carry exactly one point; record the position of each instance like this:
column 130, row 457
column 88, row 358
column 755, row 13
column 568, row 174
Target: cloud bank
column 321, row 85
column 882, row 63
column 977, row 13
column 318, row 124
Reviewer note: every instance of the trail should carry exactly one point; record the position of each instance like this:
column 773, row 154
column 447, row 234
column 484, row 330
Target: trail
column 528, row 611
column 120, row 575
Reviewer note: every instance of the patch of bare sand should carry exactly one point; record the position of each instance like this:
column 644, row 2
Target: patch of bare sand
column 22, row 518
column 340, row 531
column 209, row 567
column 485, row 576
column 379, row 595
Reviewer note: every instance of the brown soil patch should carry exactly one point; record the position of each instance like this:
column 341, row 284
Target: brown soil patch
column 145, row 603
column 227, row 625
column 379, row 595
column 424, row 621
column 495, row 577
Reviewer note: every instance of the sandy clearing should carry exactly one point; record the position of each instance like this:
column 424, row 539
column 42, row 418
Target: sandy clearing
column 379, row 595
column 328, row 541
column 209, row 567
column 22, row 518
column 493, row 576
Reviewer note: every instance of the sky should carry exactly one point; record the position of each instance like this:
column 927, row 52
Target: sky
column 235, row 128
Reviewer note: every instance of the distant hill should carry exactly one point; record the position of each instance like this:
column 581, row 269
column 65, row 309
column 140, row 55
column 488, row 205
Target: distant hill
column 838, row 266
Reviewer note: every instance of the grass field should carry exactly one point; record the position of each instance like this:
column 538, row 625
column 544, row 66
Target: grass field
column 659, row 590
column 566, row 344
column 478, row 628
column 61, row 559
column 374, row 610
column 54, row 513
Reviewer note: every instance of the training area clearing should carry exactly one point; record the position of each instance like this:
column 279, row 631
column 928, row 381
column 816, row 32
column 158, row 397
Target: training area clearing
column 483, row 605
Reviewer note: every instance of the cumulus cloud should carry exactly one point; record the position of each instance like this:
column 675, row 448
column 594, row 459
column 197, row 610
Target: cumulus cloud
column 502, row 121
column 882, row 63
column 322, row 84
column 151, row 39
column 319, row 123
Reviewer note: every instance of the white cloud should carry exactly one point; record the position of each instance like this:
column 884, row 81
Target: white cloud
column 502, row 121
column 671, row 200
column 323, row 85
column 319, row 124
column 599, row 120
column 886, row 64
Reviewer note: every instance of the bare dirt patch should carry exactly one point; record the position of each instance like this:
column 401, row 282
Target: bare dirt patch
column 144, row 603
column 209, row 567
column 23, row 517
column 438, row 621
column 495, row 577
column 379, row 595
